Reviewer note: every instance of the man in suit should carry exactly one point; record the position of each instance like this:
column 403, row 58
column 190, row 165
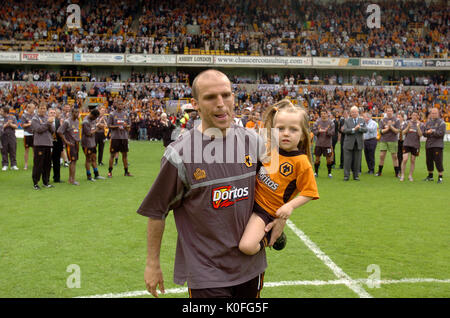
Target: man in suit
column 354, row 129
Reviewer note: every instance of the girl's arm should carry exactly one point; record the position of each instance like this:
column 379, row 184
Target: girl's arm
column 285, row 210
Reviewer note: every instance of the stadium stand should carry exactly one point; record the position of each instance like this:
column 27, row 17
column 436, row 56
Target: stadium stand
column 263, row 27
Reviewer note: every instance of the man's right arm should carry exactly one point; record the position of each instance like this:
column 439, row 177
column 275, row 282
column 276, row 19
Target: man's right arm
column 153, row 274
column 165, row 194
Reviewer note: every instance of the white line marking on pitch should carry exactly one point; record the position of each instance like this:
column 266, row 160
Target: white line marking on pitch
column 285, row 283
column 348, row 281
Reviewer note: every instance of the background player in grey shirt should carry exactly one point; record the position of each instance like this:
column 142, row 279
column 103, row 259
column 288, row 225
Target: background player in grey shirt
column 411, row 144
column 43, row 129
column 323, row 129
column 9, row 141
column 88, row 128
column 119, row 123
column 434, row 130
column 26, row 118
column 389, row 129
column 69, row 132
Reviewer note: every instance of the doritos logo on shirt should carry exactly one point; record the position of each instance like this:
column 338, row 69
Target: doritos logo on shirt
column 226, row 196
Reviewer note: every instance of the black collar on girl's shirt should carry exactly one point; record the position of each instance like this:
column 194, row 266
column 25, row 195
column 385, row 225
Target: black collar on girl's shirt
column 290, row 153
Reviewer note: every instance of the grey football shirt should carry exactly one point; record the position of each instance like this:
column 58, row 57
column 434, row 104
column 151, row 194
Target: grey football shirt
column 209, row 184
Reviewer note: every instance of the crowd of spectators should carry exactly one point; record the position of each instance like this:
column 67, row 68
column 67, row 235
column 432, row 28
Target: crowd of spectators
column 151, row 99
column 67, row 75
column 264, row 27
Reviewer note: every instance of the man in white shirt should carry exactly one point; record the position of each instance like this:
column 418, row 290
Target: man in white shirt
column 370, row 141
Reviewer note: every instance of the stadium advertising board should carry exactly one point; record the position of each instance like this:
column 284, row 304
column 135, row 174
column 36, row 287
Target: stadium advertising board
column 99, row 58
column 150, row 59
column 195, row 59
column 377, row 62
column 9, row 56
column 437, row 63
column 334, row 61
column 408, row 63
column 47, row 57
column 262, row 60
column 442, row 63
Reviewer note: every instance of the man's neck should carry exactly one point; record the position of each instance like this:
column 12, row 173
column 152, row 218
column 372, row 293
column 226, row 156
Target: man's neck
column 209, row 131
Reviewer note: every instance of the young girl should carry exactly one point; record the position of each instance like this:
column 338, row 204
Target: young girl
column 276, row 189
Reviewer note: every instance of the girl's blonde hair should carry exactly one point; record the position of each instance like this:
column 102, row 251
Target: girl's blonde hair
column 285, row 105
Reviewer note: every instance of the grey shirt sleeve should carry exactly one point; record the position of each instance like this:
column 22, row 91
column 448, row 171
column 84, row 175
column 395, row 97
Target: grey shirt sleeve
column 165, row 194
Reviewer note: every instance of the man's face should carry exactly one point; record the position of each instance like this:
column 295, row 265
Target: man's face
column 215, row 101
column 75, row 113
column 42, row 110
column 354, row 113
column 323, row 115
column 434, row 113
column 366, row 118
column 51, row 113
column 389, row 113
column 30, row 108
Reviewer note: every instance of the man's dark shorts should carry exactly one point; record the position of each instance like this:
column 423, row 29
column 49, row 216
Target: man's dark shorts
column 250, row 289
column 28, row 141
column 72, row 152
column 118, row 145
column 412, row 150
column 89, row 151
column 323, row 151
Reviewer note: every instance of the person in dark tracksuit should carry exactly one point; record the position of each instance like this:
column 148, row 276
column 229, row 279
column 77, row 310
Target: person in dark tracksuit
column 341, row 127
column 58, row 147
column 9, row 142
column 100, row 135
column 434, row 131
column 42, row 142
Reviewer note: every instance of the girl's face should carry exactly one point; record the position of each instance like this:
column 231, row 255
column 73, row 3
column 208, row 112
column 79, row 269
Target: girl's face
column 290, row 132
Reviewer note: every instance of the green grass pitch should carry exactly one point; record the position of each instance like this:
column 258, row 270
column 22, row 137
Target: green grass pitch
column 403, row 228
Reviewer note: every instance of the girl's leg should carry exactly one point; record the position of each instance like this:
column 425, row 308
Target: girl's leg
column 253, row 234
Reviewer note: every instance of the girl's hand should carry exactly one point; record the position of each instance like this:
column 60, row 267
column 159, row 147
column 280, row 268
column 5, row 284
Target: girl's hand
column 284, row 212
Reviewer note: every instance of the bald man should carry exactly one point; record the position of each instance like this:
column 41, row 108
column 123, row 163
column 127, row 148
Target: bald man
column 211, row 219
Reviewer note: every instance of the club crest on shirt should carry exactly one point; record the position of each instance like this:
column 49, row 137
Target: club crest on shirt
column 248, row 161
column 286, row 169
column 199, row 174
